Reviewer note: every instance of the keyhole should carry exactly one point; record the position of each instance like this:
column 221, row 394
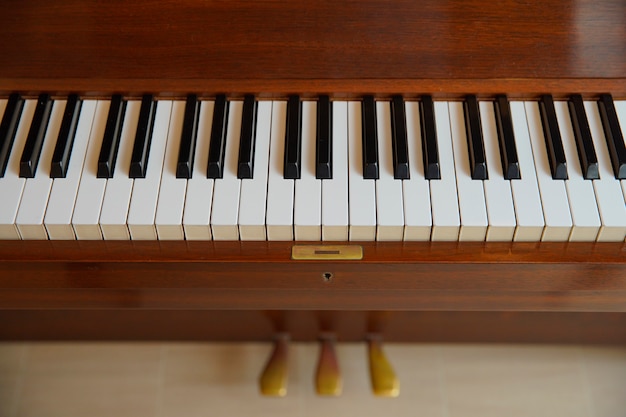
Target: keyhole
column 328, row 276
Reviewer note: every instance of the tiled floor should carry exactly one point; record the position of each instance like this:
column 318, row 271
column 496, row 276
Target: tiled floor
column 194, row 379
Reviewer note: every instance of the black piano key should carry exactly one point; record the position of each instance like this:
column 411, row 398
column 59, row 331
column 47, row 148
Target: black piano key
column 8, row 129
column 293, row 139
column 217, row 146
column 187, row 150
column 552, row 136
column 324, row 148
column 370, row 139
column 399, row 139
column 143, row 138
column 430, row 152
column 36, row 134
column 245, row 168
column 613, row 135
column 584, row 142
column 67, row 133
column 111, row 139
column 475, row 141
column 506, row 137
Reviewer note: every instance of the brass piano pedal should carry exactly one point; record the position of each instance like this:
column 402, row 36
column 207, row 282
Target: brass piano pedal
column 328, row 377
column 383, row 378
column 273, row 381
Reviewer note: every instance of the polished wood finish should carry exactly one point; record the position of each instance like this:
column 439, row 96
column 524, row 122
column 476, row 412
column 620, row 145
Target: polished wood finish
column 441, row 47
column 261, row 275
column 307, row 326
column 249, row 291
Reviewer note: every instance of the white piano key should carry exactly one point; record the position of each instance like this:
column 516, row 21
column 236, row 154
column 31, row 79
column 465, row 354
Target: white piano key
column 58, row 218
column 225, row 210
column 199, row 197
column 620, row 108
column 171, row 203
column 114, row 213
column 608, row 190
column 361, row 192
column 254, row 190
column 556, row 212
column 37, row 189
column 581, row 197
column 280, row 191
column 471, row 194
column 416, row 190
column 143, row 201
column 389, row 203
column 335, row 224
column 307, row 206
column 498, row 194
column 528, row 210
column 443, row 192
column 11, row 185
column 91, row 189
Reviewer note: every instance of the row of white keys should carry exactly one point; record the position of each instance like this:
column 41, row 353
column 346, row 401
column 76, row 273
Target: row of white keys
column 471, row 195
column 416, row 190
column 117, row 194
column 607, row 188
column 389, row 201
column 254, row 190
column 11, row 185
column 199, row 197
column 58, row 219
column 143, row 203
column 582, row 200
column 307, row 206
column 335, row 222
column 620, row 108
column 280, row 191
column 528, row 209
column 362, row 193
column 86, row 217
column 225, row 210
column 443, row 192
column 389, row 204
column 34, row 201
column 171, row 201
column 556, row 212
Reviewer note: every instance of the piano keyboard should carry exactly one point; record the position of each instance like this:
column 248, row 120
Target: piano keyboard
column 313, row 170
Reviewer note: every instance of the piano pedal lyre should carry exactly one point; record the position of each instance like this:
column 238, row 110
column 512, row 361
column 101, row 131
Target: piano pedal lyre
column 328, row 380
column 273, row 381
column 382, row 376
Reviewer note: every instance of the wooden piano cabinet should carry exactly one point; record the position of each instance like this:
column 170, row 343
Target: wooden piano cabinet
column 306, row 325
column 447, row 48
column 250, row 290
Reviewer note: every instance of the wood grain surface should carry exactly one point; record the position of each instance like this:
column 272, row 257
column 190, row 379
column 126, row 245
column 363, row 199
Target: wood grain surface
column 347, row 326
column 261, row 275
column 446, row 48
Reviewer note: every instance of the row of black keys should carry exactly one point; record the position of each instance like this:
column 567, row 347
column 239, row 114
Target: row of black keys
column 293, row 137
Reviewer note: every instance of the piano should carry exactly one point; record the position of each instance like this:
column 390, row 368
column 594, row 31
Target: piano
column 421, row 171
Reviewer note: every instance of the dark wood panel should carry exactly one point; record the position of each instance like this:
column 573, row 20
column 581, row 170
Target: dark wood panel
column 261, row 275
column 348, row 326
column 323, row 46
